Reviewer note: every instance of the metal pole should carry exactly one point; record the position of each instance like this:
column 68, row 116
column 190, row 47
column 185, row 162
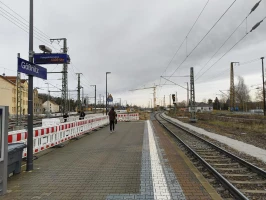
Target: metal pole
column 263, row 87
column 65, row 81
column 18, row 97
column 29, row 166
column 103, row 105
column 192, row 96
column 48, row 102
column 68, row 101
column 187, row 95
column 170, row 100
column 79, row 103
column 95, row 98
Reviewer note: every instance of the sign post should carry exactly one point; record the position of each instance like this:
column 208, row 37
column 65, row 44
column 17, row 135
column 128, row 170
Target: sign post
column 3, row 148
column 31, row 70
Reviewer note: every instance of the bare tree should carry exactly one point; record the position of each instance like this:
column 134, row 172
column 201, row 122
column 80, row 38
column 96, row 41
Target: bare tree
column 182, row 104
column 259, row 96
column 241, row 92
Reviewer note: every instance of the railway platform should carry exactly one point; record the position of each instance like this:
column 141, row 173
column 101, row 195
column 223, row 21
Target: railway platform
column 138, row 161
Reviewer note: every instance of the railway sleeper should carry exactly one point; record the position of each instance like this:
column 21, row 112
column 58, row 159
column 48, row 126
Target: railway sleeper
column 225, row 164
column 249, row 182
column 231, row 169
column 254, row 191
column 239, row 175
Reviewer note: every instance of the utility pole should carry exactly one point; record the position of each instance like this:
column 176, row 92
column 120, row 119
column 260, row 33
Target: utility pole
column 170, row 100
column 94, row 97
column 79, row 103
column 29, row 166
column 106, row 93
column 232, row 87
column 64, row 75
column 187, row 95
column 82, row 95
column 192, row 96
column 263, row 87
column 103, row 105
column 19, row 98
column 164, row 101
column 48, row 102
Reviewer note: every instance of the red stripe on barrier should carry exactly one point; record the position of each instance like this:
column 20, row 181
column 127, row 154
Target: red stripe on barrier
column 36, row 150
column 10, row 139
column 18, row 137
column 36, row 133
column 42, row 148
column 42, row 131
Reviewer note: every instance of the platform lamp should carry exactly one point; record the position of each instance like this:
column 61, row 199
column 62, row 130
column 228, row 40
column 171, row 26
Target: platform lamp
column 106, row 92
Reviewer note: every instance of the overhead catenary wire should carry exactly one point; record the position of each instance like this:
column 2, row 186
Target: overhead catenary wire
column 253, row 28
column 25, row 30
column 204, row 37
column 17, row 20
column 184, row 39
column 245, row 19
column 41, row 32
column 24, row 25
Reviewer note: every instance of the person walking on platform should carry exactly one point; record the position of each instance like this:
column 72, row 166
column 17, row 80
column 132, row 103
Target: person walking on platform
column 82, row 115
column 112, row 118
column 65, row 116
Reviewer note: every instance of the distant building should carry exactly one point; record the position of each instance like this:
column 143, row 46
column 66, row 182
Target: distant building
column 202, row 107
column 37, row 103
column 8, row 91
column 53, row 107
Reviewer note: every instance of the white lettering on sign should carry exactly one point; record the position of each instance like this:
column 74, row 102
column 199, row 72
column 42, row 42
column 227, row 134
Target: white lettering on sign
column 29, row 67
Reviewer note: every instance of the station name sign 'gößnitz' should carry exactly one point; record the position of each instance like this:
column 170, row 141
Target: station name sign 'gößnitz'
column 29, row 68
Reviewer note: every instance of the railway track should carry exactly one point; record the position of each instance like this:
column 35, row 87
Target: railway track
column 242, row 180
column 36, row 122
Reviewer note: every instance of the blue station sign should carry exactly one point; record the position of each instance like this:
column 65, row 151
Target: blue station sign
column 51, row 58
column 110, row 98
column 29, row 68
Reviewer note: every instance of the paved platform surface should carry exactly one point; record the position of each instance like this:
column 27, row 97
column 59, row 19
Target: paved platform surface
column 93, row 167
column 138, row 161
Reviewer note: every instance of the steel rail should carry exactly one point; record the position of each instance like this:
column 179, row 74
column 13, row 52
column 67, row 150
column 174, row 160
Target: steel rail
column 240, row 160
column 231, row 188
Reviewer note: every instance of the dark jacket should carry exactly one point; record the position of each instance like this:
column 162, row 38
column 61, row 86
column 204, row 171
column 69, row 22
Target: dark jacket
column 82, row 115
column 112, row 115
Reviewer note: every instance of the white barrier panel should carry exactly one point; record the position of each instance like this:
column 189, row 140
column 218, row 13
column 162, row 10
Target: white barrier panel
column 127, row 117
column 50, row 122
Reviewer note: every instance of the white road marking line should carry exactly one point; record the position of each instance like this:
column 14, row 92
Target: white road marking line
column 160, row 187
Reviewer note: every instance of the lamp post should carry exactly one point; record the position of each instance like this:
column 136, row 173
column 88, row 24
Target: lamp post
column 120, row 102
column 48, row 101
column 263, row 87
column 94, row 97
column 106, row 93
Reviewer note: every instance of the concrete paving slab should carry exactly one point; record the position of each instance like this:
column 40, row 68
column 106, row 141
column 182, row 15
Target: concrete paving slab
column 93, row 167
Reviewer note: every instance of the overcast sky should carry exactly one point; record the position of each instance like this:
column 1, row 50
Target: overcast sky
column 135, row 40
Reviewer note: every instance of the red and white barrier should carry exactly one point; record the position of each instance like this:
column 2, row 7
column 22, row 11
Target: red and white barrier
column 49, row 136
column 127, row 117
